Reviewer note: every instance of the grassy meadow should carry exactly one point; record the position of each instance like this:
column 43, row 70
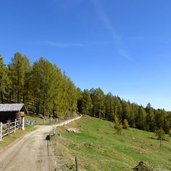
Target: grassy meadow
column 99, row 148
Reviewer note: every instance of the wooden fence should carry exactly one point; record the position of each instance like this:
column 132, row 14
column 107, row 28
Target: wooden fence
column 10, row 127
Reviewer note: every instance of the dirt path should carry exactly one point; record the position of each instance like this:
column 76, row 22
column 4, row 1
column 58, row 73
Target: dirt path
column 31, row 153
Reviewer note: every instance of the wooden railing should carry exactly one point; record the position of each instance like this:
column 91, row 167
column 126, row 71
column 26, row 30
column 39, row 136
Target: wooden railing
column 9, row 127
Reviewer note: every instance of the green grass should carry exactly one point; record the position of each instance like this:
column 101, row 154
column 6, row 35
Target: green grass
column 39, row 120
column 99, row 148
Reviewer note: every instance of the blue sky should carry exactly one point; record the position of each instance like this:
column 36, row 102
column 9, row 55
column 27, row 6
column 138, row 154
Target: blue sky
column 122, row 46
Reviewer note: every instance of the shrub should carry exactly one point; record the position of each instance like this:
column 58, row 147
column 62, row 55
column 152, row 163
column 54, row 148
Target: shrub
column 160, row 135
column 125, row 124
column 117, row 126
column 170, row 132
column 119, row 129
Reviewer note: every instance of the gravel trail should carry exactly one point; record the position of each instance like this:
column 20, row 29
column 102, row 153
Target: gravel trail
column 32, row 153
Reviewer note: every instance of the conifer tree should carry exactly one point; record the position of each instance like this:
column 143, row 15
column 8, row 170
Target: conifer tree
column 109, row 106
column 86, row 103
column 57, row 92
column 151, row 123
column 42, row 86
column 18, row 70
column 141, row 118
column 98, row 100
column 4, row 81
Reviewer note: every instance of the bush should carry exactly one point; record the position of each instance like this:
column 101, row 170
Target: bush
column 170, row 132
column 117, row 126
column 125, row 124
column 119, row 129
column 160, row 134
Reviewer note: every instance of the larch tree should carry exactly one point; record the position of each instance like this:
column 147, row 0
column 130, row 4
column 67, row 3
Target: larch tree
column 4, row 81
column 141, row 118
column 151, row 123
column 57, row 92
column 98, row 100
column 18, row 70
column 42, row 86
column 109, row 106
column 86, row 103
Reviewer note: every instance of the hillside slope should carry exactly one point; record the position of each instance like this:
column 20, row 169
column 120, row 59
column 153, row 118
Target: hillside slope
column 99, row 148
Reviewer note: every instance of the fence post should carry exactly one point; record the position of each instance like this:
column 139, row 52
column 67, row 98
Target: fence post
column 8, row 127
column 0, row 131
column 76, row 164
column 15, row 125
column 23, row 128
column 43, row 120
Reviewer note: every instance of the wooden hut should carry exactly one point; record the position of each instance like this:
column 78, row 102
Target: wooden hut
column 12, row 112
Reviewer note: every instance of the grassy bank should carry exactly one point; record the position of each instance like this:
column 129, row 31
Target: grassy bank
column 99, row 148
column 39, row 121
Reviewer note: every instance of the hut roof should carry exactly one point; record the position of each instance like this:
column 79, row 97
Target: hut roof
column 15, row 107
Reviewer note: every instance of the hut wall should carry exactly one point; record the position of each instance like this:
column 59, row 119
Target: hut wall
column 5, row 116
